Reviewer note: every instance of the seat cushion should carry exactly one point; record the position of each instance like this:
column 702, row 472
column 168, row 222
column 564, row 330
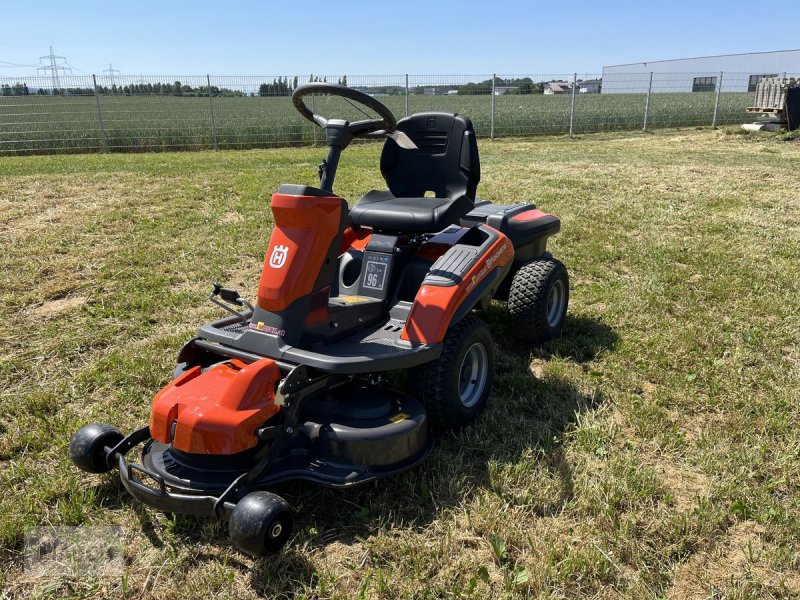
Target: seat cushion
column 381, row 210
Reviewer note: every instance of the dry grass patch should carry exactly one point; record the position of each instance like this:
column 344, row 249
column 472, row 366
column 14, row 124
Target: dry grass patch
column 736, row 564
column 54, row 308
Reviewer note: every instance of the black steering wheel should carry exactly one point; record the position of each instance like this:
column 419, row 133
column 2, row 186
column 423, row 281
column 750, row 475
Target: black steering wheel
column 370, row 128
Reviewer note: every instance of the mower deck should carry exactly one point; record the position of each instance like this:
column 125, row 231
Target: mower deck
column 346, row 437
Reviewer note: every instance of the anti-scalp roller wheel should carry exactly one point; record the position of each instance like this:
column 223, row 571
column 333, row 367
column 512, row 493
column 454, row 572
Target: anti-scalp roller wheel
column 88, row 447
column 261, row 523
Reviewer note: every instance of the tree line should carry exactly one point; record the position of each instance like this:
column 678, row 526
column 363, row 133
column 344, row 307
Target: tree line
column 135, row 89
column 283, row 86
column 280, row 86
column 523, row 85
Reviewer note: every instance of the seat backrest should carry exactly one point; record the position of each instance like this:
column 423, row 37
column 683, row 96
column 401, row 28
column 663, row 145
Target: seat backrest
column 446, row 161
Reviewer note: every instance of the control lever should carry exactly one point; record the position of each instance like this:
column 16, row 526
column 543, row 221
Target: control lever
column 232, row 297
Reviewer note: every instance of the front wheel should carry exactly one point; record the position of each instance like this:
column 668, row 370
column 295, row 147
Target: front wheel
column 261, row 523
column 88, row 448
column 538, row 299
column 455, row 388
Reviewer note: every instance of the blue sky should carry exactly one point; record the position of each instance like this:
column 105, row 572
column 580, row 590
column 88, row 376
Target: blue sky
column 424, row 37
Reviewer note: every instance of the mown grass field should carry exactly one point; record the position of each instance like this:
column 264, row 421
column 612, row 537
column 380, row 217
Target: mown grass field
column 47, row 124
column 652, row 451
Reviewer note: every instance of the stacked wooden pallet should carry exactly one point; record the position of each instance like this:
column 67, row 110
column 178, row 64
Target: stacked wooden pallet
column 777, row 98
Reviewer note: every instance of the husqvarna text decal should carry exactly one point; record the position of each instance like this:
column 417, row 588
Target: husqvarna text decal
column 260, row 326
column 488, row 265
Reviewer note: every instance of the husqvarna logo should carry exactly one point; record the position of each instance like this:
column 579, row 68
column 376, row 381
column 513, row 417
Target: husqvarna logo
column 278, row 257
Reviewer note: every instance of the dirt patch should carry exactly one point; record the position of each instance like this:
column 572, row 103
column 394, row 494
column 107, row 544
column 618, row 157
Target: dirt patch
column 537, row 368
column 230, row 217
column 54, row 308
column 684, row 484
column 739, row 558
column 694, row 426
column 649, row 388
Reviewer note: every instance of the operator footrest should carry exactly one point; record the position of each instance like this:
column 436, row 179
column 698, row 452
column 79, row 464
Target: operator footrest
column 379, row 341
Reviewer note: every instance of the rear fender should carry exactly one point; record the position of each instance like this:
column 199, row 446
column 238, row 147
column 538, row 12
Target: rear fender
column 457, row 281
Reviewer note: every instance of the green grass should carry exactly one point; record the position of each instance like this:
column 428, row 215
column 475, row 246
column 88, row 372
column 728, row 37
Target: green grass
column 70, row 123
column 651, row 451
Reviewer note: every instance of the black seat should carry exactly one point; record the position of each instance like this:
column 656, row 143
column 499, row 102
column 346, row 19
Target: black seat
column 445, row 163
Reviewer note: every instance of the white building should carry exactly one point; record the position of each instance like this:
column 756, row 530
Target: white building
column 590, row 86
column 740, row 73
column 557, row 87
column 505, row 90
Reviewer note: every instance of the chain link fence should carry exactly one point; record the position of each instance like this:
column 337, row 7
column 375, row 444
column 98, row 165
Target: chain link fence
column 146, row 113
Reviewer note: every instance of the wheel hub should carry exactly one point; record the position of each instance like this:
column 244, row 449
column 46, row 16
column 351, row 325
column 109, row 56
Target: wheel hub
column 473, row 374
column 276, row 530
column 555, row 303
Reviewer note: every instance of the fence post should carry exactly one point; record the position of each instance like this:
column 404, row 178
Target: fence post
column 211, row 107
column 647, row 102
column 491, row 131
column 100, row 114
column 572, row 105
column 406, row 94
column 716, row 101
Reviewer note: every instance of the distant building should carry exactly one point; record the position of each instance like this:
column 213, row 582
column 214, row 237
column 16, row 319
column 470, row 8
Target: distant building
column 504, row 90
column 557, row 87
column 590, row 86
column 438, row 91
column 740, row 73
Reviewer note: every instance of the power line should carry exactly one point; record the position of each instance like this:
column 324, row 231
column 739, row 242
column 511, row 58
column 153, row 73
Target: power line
column 78, row 69
column 111, row 72
column 54, row 67
column 5, row 63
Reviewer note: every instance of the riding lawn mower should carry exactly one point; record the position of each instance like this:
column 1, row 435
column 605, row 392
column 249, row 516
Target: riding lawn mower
column 296, row 385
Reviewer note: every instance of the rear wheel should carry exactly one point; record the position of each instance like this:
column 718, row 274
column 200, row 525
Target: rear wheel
column 455, row 388
column 538, row 299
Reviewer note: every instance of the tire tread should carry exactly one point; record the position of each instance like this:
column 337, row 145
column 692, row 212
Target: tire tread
column 430, row 381
column 527, row 299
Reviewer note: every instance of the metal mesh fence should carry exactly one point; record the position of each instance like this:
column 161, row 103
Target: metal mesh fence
column 146, row 112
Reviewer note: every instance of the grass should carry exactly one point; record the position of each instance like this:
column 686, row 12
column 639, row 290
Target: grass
column 652, row 451
column 43, row 124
